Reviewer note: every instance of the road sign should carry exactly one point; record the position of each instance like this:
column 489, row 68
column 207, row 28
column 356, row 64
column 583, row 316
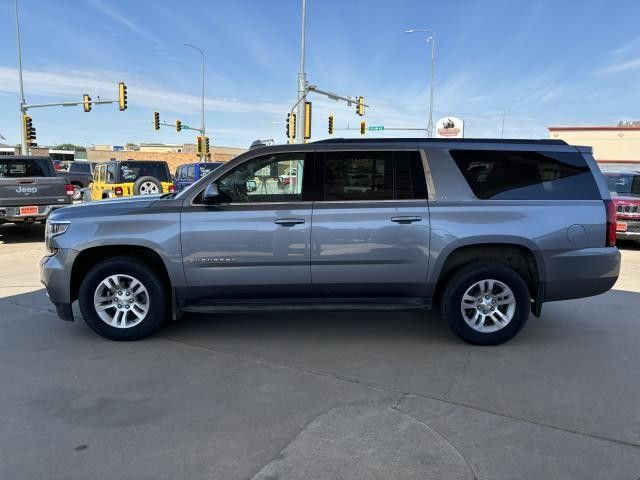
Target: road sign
column 374, row 128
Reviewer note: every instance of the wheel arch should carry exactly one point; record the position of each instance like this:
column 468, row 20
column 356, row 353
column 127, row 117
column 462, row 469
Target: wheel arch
column 519, row 254
column 88, row 258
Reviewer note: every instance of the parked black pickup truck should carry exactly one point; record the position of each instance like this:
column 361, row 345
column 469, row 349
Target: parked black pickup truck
column 79, row 175
column 30, row 189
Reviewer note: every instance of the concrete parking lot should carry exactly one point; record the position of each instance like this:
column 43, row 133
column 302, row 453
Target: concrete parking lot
column 373, row 395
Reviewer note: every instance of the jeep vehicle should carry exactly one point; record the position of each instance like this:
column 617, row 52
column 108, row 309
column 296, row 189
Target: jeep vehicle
column 124, row 178
column 625, row 192
column 30, row 189
column 187, row 174
column 488, row 230
column 79, row 175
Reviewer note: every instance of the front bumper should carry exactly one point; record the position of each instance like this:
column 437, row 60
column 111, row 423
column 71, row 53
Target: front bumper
column 633, row 229
column 55, row 275
column 12, row 214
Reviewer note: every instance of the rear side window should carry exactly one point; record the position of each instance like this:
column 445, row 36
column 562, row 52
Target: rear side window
column 372, row 175
column 514, row 175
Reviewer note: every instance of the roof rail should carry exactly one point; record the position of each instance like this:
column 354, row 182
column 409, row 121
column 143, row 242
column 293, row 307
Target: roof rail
column 443, row 140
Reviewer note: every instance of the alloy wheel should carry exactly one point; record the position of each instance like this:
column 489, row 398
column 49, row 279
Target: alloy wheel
column 121, row 301
column 488, row 306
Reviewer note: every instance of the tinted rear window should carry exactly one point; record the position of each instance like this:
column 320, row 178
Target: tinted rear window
column 131, row 171
column 23, row 168
column 206, row 168
column 80, row 167
column 514, row 175
column 374, row 175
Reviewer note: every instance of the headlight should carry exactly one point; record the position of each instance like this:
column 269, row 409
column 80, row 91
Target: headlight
column 54, row 229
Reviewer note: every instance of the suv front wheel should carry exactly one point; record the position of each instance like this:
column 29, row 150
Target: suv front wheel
column 486, row 303
column 122, row 299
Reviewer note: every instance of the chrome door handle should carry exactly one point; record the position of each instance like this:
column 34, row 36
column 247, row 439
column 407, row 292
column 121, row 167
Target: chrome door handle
column 406, row 219
column 289, row 221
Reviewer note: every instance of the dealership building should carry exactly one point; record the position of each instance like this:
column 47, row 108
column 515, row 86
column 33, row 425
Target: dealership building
column 613, row 147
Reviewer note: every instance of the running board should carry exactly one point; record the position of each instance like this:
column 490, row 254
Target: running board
column 298, row 305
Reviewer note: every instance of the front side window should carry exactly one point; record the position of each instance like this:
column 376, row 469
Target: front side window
column 526, row 175
column 271, row 178
column 191, row 172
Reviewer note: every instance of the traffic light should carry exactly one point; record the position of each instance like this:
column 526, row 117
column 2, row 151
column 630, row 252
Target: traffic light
column 291, row 127
column 363, row 128
column 122, row 96
column 86, row 102
column 156, row 120
column 178, row 125
column 307, row 120
column 360, row 106
column 206, row 145
column 330, row 124
column 200, row 145
column 29, row 131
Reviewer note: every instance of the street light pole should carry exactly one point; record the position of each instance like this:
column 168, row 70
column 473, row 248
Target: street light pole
column 202, row 130
column 302, row 79
column 431, row 38
column 23, row 138
column 504, row 114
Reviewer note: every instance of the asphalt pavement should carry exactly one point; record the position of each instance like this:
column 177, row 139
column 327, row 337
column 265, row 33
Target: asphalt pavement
column 370, row 395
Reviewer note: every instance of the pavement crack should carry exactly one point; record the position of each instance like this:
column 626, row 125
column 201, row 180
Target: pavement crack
column 403, row 395
column 439, row 435
column 458, row 377
column 280, row 453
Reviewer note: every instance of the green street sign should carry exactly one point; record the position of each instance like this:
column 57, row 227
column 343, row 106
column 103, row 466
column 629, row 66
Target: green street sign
column 185, row 126
column 374, row 128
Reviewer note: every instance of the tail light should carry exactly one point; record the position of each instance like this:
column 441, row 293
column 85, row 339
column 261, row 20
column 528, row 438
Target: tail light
column 610, row 206
column 172, row 188
column 117, row 190
column 68, row 190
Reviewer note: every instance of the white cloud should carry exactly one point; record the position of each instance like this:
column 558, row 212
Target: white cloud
column 70, row 83
column 622, row 66
column 123, row 20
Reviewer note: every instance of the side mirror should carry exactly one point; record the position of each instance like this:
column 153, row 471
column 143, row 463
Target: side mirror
column 211, row 193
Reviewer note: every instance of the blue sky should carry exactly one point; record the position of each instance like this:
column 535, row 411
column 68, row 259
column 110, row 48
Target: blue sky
column 546, row 62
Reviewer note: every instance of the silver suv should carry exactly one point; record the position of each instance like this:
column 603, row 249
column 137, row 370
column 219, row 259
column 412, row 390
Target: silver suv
column 489, row 230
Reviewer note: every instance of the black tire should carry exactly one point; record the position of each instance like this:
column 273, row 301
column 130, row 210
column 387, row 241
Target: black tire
column 157, row 297
column 139, row 185
column 466, row 276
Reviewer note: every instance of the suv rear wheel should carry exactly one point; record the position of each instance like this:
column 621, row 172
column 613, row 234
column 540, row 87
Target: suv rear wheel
column 122, row 299
column 486, row 303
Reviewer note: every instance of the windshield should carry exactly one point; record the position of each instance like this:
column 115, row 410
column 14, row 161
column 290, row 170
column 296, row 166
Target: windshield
column 131, row 171
column 623, row 183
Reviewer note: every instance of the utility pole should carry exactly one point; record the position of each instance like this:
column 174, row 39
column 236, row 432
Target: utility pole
column 202, row 130
column 302, row 80
column 23, row 111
